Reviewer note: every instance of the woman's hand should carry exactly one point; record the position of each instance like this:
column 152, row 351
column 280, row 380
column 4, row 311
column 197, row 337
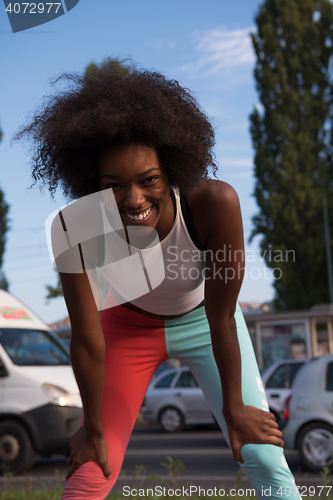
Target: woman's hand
column 251, row 425
column 85, row 448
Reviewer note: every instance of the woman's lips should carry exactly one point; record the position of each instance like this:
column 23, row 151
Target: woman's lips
column 148, row 214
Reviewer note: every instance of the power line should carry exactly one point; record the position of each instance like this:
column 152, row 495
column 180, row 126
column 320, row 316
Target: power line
column 17, row 268
column 24, row 258
column 31, row 228
column 31, row 280
column 22, row 248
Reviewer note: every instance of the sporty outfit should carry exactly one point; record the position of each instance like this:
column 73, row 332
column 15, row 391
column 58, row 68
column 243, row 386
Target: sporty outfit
column 136, row 345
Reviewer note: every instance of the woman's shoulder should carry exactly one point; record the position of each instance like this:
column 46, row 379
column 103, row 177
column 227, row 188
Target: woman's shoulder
column 210, row 193
column 210, row 200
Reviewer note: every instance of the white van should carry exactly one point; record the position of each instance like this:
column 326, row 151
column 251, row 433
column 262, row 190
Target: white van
column 40, row 404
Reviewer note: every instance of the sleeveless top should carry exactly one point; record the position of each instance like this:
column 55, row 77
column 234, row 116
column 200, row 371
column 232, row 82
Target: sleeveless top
column 182, row 288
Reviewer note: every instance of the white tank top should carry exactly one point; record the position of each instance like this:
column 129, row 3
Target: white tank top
column 183, row 286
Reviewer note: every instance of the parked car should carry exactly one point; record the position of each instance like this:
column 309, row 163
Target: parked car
column 40, row 404
column 174, row 399
column 309, row 428
column 64, row 333
column 278, row 382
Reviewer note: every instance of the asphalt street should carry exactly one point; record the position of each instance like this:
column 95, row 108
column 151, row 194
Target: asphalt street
column 207, row 462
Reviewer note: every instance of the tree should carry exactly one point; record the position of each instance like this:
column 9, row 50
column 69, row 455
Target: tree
column 108, row 65
column 4, row 226
column 291, row 138
column 54, row 291
column 103, row 285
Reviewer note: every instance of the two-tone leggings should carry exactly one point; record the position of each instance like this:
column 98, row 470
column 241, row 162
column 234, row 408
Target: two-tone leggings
column 135, row 346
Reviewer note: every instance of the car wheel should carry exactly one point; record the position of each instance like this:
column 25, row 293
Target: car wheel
column 16, row 450
column 315, row 446
column 171, row 419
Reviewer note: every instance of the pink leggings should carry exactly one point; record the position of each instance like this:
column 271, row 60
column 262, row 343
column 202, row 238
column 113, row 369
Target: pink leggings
column 135, row 347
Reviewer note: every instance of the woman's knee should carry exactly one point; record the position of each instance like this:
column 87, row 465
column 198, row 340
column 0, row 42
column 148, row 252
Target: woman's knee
column 265, row 457
column 88, row 482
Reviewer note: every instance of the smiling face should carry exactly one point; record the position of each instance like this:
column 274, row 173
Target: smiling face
column 140, row 186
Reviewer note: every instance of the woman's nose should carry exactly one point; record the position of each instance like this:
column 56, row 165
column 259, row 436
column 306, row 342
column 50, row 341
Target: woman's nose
column 134, row 197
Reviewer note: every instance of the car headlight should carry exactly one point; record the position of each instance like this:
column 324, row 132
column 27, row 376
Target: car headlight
column 58, row 396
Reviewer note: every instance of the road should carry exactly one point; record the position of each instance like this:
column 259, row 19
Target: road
column 208, row 461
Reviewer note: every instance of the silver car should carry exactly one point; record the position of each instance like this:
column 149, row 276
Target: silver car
column 278, row 381
column 174, row 399
column 310, row 424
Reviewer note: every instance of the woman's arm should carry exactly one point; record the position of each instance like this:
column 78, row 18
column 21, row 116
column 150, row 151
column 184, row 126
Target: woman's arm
column 246, row 424
column 88, row 358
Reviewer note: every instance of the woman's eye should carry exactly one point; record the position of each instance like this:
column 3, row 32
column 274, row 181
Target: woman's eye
column 150, row 179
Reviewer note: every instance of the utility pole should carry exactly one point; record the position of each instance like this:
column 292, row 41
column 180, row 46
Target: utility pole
column 327, row 241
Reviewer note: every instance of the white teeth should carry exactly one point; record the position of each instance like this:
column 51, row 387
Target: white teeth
column 141, row 216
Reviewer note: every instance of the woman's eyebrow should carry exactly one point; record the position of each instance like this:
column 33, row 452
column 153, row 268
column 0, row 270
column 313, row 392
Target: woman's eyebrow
column 109, row 176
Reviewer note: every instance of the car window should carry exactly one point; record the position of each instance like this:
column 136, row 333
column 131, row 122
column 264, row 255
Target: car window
column 278, row 379
column 293, row 369
column 165, row 381
column 28, row 347
column 329, row 377
column 186, row 379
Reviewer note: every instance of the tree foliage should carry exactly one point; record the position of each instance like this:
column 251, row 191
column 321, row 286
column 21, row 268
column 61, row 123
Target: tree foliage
column 292, row 140
column 54, row 291
column 4, row 226
column 96, row 71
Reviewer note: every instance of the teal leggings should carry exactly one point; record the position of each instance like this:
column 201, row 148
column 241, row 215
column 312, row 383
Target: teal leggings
column 135, row 347
column 188, row 339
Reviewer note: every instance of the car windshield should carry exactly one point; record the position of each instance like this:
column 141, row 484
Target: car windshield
column 283, row 376
column 186, row 379
column 27, row 347
column 165, row 381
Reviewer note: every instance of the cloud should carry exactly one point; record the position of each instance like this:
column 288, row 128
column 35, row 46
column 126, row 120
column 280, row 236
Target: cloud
column 221, row 51
column 232, row 177
column 221, row 148
column 234, row 126
column 237, row 162
column 161, row 44
column 235, row 168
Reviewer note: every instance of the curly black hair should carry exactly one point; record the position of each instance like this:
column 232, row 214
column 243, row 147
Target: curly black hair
column 114, row 103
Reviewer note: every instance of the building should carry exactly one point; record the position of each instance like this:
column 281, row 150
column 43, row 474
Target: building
column 293, row 334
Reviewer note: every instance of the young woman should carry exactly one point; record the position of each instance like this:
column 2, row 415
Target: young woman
column 146, row 138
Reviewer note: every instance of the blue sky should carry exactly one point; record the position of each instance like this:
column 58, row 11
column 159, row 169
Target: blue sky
column 204, row 45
